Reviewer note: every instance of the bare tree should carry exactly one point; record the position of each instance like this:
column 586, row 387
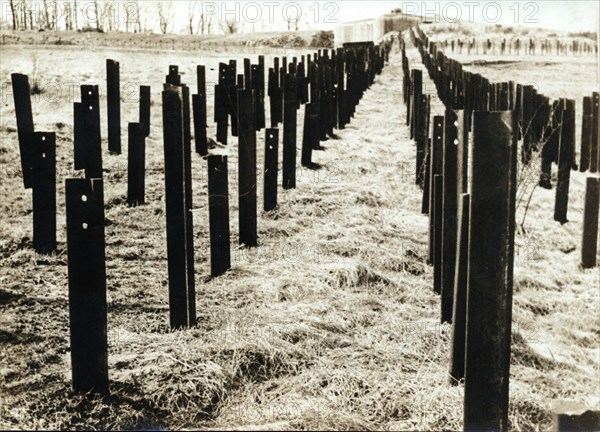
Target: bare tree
column 229, row 26
column 110, row 15
column 97, row 15
column 165, row 15
column 191, row 11
column 14, row 15
column 75, row 13
column 133, row 17
column 209, row 25
column 141, row 12
column 49, row 16
column 293, row 21
column 54, row 12
column 293, row 18
column 135, row 11
column 44, row 20
column 23, row 10
column 40, row 19
column 202, row 21
column 68, row 16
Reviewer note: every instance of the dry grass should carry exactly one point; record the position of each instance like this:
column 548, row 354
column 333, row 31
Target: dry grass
column 331, row 323
column 214, row 42
column 482, row 31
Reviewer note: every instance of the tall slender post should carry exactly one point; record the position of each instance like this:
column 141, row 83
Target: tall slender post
column 222, row 103
column 178, row 206
column 341, row 87
column 289, row 133
column 218, row 207
column 551, row 146
column 595, row 151
column 438, row 193
column 78, row 136
column 452, row 142
column 566, row 154
column 589, row 243
column 87, row 285
column 315, row 101
column 199, row 108
column 188, row 205
column 113, row 100
column 459, row 311
column 421, row 132
column 302, row 84
column 201, row 78
column 136, row 161
column 409, row 102
column 44, row 192
column 91, row 139
column 490, row 278
column 22, row 99
column 247, row 168
column 258, row 79
column 232, row 86
column 187, row 124
column 309, row 135
column 275, row 98
column 436, row 167
column 221, row 115
column 145, row 103
column 426, row 178
column 232, row 75
column 416, row 92
column 586, row 135
column 271, row 167
column 528, row 110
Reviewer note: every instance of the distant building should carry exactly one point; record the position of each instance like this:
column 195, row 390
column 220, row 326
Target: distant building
column 372, row 30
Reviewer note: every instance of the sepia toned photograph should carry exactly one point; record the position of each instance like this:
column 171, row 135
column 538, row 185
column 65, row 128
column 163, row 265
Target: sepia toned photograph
column 299, row 215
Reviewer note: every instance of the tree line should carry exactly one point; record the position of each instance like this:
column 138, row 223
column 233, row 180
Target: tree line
column 134, row 16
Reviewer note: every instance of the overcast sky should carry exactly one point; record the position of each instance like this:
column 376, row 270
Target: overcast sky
column 579, row 15
column 582, row 15
column 561, row 15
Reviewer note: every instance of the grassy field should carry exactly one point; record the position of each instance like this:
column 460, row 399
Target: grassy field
column 216, row 43
column 482, row 31
column 331, row 323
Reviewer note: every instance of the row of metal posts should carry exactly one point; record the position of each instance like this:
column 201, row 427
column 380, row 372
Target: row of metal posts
column 546, row 127
column 471, row 241
column 330, row 84
column 84, row 209
column 526, row 47
column 472, row 224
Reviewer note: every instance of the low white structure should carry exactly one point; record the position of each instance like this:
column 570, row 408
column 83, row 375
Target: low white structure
column 372, row 30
